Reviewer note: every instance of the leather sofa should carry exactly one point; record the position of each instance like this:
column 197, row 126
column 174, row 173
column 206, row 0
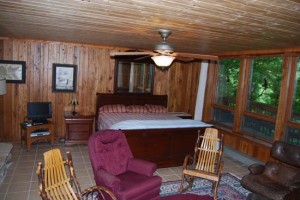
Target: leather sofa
column 278, row 179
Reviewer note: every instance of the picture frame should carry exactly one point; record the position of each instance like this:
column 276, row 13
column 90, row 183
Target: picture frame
column 13, row 71
column 64, row 77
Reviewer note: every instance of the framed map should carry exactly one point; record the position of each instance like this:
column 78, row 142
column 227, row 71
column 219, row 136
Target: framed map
column 13, row 71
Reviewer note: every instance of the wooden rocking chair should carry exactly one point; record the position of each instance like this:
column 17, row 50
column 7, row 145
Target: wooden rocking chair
column 206, row 162
column 55, row 184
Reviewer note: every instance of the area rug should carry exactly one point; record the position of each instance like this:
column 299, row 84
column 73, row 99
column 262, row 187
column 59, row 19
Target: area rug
column 229, row 188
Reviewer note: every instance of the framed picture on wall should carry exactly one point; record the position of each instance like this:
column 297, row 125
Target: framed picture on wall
column 13, row 71
column 64, row 77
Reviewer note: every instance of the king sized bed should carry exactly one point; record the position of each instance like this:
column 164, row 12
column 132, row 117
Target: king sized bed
column 152, row 133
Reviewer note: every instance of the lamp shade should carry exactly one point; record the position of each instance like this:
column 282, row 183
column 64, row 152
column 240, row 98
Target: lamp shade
column 74, row 100
column 2, row 86
column 163, row 61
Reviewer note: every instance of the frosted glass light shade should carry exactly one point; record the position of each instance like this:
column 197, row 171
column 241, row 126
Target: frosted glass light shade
column 163, row 61
column 2, row 86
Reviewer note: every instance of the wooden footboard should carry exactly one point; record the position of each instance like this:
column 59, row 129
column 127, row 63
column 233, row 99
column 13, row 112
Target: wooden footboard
column 165, row 147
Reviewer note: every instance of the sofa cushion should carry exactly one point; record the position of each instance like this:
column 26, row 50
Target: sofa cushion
column 281, row 174
column 286, row 153
column 279, row 179
column 273, row 182
column 263, row 185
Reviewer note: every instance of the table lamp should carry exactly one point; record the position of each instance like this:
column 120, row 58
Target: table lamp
column 74, row 102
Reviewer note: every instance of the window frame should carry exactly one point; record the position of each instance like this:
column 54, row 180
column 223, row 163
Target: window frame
column 214, row 103
column 291, row 73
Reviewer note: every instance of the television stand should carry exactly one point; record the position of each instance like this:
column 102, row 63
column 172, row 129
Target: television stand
column 28, row 135
column 39, row 122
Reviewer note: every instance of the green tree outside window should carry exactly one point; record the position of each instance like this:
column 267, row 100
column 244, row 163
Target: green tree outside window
column 264, row 88
column 228, row 81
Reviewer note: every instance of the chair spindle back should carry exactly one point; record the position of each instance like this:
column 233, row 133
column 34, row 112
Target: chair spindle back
column 209, row 151
column 57, row 183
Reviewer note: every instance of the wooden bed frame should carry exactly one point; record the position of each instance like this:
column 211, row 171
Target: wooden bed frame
column 165, row 147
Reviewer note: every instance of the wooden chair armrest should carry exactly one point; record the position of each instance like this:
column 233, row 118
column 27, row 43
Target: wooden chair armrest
column 188, row 160
column 97, row 192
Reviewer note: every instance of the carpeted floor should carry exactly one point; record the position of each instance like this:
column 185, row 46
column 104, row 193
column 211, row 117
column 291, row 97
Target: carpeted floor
column 229, row 188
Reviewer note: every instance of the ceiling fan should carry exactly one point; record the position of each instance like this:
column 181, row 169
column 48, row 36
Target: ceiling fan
column 163, row 53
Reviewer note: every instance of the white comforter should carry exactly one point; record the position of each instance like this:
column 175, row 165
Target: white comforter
column 154, row 124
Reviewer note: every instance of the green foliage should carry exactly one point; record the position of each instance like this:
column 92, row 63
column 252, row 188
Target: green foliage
column 296, row 96
column 266, row 80
column 228, row 81
column 264, row 87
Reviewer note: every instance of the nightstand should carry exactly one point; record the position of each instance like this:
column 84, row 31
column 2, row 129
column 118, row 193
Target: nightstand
column 182, row 115
column 79, row 127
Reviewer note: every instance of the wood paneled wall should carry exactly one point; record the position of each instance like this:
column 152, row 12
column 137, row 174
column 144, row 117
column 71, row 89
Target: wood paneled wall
column 183, row 80
column 249, row 147
column 95, row 74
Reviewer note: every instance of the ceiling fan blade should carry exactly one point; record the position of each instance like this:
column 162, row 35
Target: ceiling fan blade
column 130, row 53
column 143, row 57
column 184, row 59
column 198, row 56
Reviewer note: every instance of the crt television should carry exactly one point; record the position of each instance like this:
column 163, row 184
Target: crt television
column 39, row 112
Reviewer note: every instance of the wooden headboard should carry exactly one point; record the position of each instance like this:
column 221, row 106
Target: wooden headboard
column 129, row 99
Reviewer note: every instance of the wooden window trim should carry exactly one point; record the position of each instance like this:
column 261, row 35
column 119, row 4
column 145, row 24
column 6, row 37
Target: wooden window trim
column 292, row 124
column 260, row 116
column 292, row 79
column 220, row 106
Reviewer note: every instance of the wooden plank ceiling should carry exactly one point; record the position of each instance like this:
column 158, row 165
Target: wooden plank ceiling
column 199, row 26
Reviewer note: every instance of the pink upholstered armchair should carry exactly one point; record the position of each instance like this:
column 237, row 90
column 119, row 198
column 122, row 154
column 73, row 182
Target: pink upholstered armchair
column 115, row 168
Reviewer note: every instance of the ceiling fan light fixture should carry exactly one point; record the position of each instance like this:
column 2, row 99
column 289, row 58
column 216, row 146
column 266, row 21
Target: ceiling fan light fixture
column 164, row 47
column 163, row 61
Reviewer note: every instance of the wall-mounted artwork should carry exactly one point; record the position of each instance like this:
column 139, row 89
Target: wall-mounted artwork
column 13, row 71
column 64, row 78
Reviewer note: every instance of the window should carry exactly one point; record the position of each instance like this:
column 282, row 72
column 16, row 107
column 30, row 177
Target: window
column 292, row 135
column 134, row 77
column 265, row 81
column 296, row 96
column 224, row 117
column 292, row 131
column 258, row 127
column 247, row 97
column 263, row 97
column 227, row 83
